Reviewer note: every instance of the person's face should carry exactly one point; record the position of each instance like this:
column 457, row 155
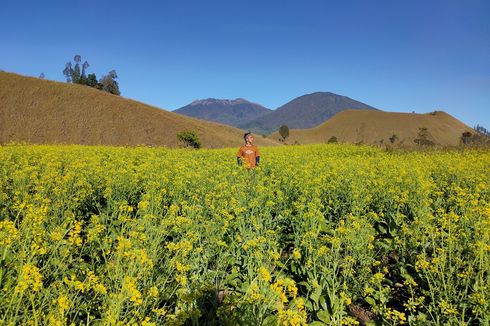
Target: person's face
column 250, row 138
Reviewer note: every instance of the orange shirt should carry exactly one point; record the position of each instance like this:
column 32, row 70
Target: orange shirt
column 248, row 155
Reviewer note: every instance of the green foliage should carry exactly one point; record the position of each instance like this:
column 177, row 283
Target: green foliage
column 332, row 140
column 92, row 81
column 284, row 132
column 329, row 235
column 109, row 83
column 76, row 75
column 189, row 138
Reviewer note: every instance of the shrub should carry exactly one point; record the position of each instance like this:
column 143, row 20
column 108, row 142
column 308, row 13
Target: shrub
column 189, row 138
column 332, row 140
column 284, row 132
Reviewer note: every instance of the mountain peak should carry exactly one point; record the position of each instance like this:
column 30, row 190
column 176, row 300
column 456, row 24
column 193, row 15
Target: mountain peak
column 231, row 112
column 306, row 111
column 224, row 102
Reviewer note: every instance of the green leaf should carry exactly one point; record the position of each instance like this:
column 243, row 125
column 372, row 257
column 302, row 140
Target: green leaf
column 270, row 321
column 305, row 284
column 317, row 323
column 324, row 316
column 370, row 301
column 315, row 295
column 308, row 305
column 323, row 303
column 293, row 267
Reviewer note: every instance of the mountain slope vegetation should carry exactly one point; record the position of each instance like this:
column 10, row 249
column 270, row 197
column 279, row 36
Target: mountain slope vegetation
column 40, row 111
column 383, row 128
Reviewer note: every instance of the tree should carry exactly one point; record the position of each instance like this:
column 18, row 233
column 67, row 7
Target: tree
column 284, row 132
column 332, row 140
column 189, row 138
column 76, row 70
column 466, row 138
column 92, row 81
column 423, row 138
column 68, row 72
column 479, row 138
column 109, row 83
column 74, row 74
column 42, row 76
column 482, row 130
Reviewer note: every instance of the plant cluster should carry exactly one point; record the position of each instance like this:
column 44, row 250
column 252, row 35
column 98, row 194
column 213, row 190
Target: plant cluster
column 75, row 75
column 320, row 235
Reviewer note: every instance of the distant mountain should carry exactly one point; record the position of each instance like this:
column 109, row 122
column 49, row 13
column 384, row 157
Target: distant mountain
column 306, row 111
column 383, row 128
column 230, row 112
column 40, row 111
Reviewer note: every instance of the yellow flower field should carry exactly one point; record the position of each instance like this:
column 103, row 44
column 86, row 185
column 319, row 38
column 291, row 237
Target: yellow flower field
column 319, row 235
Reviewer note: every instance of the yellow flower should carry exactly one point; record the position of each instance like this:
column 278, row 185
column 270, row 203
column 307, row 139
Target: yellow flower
column 447, row 308
column 159, row 311
column 181, row 267
column 8, row 233
column 397, row 317
column 74, row 234
column 30, row 277
column 295, row 315
column 264, row 273
column 296, row 254
column 63, row 303
column 377, row 278
column 154, row 292
column 147, row 322
column 56, row 235
column 346, row 298
column 129, row 286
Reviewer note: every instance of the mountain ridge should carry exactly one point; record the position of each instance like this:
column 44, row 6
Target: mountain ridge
column 306, row 111
column 226, row 111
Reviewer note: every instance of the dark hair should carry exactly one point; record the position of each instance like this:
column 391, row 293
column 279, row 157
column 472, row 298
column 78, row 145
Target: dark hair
column 246, row 135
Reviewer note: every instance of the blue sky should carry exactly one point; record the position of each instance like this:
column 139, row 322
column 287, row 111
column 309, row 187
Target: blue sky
column 394, row 55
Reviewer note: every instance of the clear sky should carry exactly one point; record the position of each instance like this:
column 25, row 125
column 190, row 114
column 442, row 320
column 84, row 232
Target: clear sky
column 412, row 55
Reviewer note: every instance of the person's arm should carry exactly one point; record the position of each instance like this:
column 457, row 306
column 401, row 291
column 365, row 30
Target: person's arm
column 239, row 156
column 257, row 156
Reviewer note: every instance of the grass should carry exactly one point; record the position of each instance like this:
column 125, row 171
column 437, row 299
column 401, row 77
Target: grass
column 46, row 112
column 377, row 127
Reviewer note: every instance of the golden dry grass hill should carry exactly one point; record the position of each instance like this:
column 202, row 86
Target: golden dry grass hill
column 39, row 111
column 378, row 127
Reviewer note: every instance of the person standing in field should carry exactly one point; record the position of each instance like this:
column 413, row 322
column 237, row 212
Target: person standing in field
column 248, row 154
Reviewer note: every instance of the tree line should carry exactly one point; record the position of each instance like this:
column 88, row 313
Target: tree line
column 77, row 74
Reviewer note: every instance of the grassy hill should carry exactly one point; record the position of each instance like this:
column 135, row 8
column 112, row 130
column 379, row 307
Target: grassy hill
column 307, row 111
column 377, row 127
column 47, row 112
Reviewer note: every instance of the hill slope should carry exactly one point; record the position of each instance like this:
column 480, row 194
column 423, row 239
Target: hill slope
column 47, row 112
column 230, row 112
column 306, row 111
column 376, row 127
